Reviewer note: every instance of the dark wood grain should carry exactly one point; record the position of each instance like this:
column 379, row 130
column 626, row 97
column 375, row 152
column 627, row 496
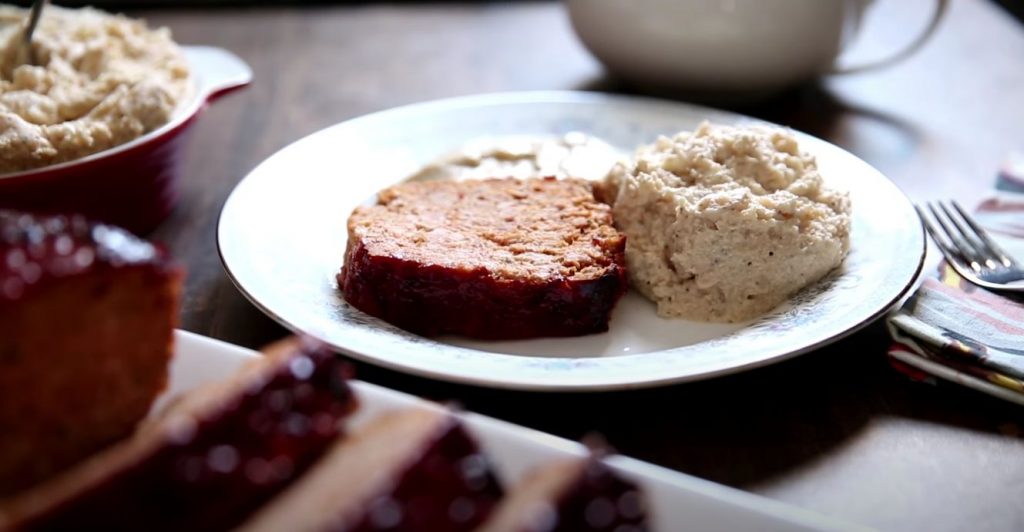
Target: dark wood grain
column 835, row 431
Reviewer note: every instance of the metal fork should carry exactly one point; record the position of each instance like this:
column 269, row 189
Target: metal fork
column 969, row 249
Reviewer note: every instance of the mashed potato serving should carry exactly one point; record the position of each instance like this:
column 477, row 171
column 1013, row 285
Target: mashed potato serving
column 725, row 223
column 101, row 80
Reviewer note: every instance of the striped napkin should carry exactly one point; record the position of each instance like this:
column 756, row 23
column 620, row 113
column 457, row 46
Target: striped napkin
column 951, row 329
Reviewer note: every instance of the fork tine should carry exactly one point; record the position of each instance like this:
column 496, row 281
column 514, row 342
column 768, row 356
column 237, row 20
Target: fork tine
column 937, row 236
column 981, row 254
column 963, row 249
column 982, row 235
column 940, row 238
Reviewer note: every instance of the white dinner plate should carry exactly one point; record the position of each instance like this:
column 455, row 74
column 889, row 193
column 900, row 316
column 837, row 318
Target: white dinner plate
column 676, row 501
column 282, row 237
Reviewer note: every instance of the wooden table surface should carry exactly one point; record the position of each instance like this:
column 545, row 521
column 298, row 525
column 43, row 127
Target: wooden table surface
column 835, row 431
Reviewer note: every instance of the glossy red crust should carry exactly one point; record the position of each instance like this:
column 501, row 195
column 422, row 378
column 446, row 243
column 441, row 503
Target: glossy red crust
column 571, row 495
column 600, row 500
column 36, row 250
column 450, row 487
column 87, row 315
column 493, row 259
column 213, row 460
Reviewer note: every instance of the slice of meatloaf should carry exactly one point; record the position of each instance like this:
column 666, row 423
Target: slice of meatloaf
column 407, row 470
column 495, row 259
column 209, row 460
column 571, row 495
column 87, row 316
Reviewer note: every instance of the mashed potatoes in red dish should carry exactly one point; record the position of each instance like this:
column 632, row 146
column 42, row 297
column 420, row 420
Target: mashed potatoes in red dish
column 100, row 80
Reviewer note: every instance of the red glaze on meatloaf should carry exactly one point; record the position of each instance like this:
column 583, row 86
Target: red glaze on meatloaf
column 574, row 495
column 408, row 470
column 87, row 314
column 497, row 258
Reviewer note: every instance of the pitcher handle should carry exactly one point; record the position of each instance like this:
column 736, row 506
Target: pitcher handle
column 913, row 46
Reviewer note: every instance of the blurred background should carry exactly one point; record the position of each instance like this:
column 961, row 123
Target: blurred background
column 1015, row 7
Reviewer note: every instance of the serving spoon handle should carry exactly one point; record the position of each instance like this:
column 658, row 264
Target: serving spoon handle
column 30, row 28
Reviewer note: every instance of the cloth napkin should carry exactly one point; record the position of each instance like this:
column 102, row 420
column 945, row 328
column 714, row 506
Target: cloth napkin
column 953, row 330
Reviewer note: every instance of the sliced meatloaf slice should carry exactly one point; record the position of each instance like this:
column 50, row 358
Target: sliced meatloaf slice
column 87, row 316
column 209, row 460
column 571, row 495
column 495, row 259
column 407, row 470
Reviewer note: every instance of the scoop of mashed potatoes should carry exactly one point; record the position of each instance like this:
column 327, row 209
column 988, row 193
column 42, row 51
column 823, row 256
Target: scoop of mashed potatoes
column 99, row 80
column 725, row 223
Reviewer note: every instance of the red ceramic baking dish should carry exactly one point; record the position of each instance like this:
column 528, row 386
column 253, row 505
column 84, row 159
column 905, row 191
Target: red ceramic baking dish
column 133, row 185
